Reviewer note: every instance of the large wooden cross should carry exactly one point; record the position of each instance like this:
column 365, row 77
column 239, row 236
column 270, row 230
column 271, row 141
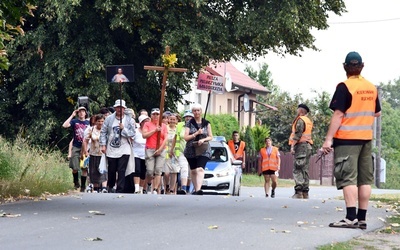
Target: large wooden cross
column 165, row 70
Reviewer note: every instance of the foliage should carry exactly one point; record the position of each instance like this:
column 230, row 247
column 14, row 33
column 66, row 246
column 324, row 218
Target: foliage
column 27, row 170
column 223, row 125
column 259, row 132
column 249, row 139
column 69, row 43
column 320, row 114
column 390, row 92
column 11, row 18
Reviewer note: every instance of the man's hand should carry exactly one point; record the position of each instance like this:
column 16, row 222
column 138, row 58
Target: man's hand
column 327, row 146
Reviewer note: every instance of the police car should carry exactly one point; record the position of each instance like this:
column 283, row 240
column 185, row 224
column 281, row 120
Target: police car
column 223, row 174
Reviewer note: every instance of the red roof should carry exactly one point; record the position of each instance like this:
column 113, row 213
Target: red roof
column 239, row 79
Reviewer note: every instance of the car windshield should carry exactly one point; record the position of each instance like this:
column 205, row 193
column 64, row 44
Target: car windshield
column 219, row 155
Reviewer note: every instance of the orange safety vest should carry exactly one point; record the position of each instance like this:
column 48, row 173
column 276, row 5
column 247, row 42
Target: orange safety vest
column 306, row 136
column 358, row 120
column 240, row 151
column 269, row 162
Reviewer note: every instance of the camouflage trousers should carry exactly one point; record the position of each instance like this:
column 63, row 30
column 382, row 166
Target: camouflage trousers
column 302, row 154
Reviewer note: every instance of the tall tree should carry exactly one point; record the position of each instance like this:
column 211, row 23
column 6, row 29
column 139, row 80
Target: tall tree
column 12, row 15
column 391, row 93
column 280, row 121
column 67, row 46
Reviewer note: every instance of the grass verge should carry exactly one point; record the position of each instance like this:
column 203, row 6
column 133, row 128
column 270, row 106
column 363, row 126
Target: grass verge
column 253, row 180
column 382, row 238
column 26, row 171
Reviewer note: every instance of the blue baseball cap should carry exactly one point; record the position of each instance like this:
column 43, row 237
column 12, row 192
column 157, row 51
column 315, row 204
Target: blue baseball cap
column 353, row 58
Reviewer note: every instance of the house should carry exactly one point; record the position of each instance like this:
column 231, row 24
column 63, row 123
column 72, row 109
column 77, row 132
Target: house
column 238, row 97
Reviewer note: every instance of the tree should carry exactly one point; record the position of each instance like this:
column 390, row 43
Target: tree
column 259, row 133
column 249, row 139
column 280, row 122
column 391, row 93
column 321, row 115
column 12, row 15
column 68, row 44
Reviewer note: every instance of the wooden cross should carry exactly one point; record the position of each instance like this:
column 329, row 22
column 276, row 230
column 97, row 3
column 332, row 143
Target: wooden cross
column 165, row 70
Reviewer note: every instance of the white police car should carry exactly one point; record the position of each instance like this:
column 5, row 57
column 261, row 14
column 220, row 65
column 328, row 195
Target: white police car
column 223, row 174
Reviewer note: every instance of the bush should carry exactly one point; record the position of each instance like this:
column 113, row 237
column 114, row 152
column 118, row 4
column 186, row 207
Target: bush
column 26, row 170
column 223, row 125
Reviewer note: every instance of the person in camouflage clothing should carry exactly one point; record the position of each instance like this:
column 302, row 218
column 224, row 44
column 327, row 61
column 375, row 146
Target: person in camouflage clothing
column 301, row 141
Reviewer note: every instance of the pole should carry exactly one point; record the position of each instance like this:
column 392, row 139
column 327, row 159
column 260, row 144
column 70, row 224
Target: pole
column 163, row 89
column 120, row 98
column 378, row 146
column 208, row 100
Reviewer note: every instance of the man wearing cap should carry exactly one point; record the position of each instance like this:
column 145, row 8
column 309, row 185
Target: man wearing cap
column 78, row 125
column 355, row 104
column 115, row 137
column 155, row 153
column 300, row 142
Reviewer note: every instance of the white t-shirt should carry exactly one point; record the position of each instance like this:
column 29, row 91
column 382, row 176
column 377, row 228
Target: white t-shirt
column 139, row 145
column 117, row 146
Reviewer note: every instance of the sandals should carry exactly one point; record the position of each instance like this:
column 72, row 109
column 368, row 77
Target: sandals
column 345, row 223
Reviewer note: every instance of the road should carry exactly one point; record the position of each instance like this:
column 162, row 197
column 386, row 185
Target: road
column 128, row 221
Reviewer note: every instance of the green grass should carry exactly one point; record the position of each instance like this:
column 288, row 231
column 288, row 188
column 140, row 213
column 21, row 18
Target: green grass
column 391, row 203
column 253, row 180
column 30, row 172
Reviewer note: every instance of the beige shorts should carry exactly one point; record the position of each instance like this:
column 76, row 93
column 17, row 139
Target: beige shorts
column 154, row 164
column 184, row 166
column 172, row 165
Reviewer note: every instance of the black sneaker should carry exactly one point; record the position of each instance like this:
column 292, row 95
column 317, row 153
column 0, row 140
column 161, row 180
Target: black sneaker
column 181, row 192
column 199, row 192
column 76, row 185
column 273, row 193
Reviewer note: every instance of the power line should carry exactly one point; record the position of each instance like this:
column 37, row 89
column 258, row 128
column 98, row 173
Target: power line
column 367, row 21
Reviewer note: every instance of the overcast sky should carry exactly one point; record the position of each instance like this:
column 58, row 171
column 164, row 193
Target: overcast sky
column 369, row 27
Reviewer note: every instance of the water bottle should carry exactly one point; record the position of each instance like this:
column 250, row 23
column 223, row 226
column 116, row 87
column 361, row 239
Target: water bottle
column 277, row 173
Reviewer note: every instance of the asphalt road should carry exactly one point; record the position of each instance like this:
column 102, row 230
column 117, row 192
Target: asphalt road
column 128, row 221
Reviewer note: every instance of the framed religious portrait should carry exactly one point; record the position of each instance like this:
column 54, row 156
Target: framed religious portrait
column 120, row 73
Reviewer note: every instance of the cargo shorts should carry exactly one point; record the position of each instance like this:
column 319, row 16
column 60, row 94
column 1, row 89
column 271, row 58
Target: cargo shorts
column 354, row 165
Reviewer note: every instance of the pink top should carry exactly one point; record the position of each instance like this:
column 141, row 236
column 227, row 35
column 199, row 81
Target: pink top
column 151, row 142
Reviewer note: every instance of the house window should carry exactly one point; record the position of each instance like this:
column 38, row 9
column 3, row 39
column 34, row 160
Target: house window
column 229, row 106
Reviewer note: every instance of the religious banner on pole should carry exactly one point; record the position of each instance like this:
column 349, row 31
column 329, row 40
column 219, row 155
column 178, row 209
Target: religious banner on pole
column 212, row 83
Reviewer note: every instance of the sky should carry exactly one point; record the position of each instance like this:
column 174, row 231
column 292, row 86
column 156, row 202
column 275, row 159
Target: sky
column 370, row 27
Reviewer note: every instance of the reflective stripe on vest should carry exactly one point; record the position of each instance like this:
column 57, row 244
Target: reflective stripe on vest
column 269, row 162
column 240, row 150
column 306, row 135
column 358, row 120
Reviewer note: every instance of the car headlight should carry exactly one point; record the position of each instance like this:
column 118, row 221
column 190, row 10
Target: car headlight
column 224, row 172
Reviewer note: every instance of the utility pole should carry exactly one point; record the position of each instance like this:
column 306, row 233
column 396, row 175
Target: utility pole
column 378, row 144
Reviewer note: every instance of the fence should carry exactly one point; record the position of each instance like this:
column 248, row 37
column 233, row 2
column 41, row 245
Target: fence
column 321, row 170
